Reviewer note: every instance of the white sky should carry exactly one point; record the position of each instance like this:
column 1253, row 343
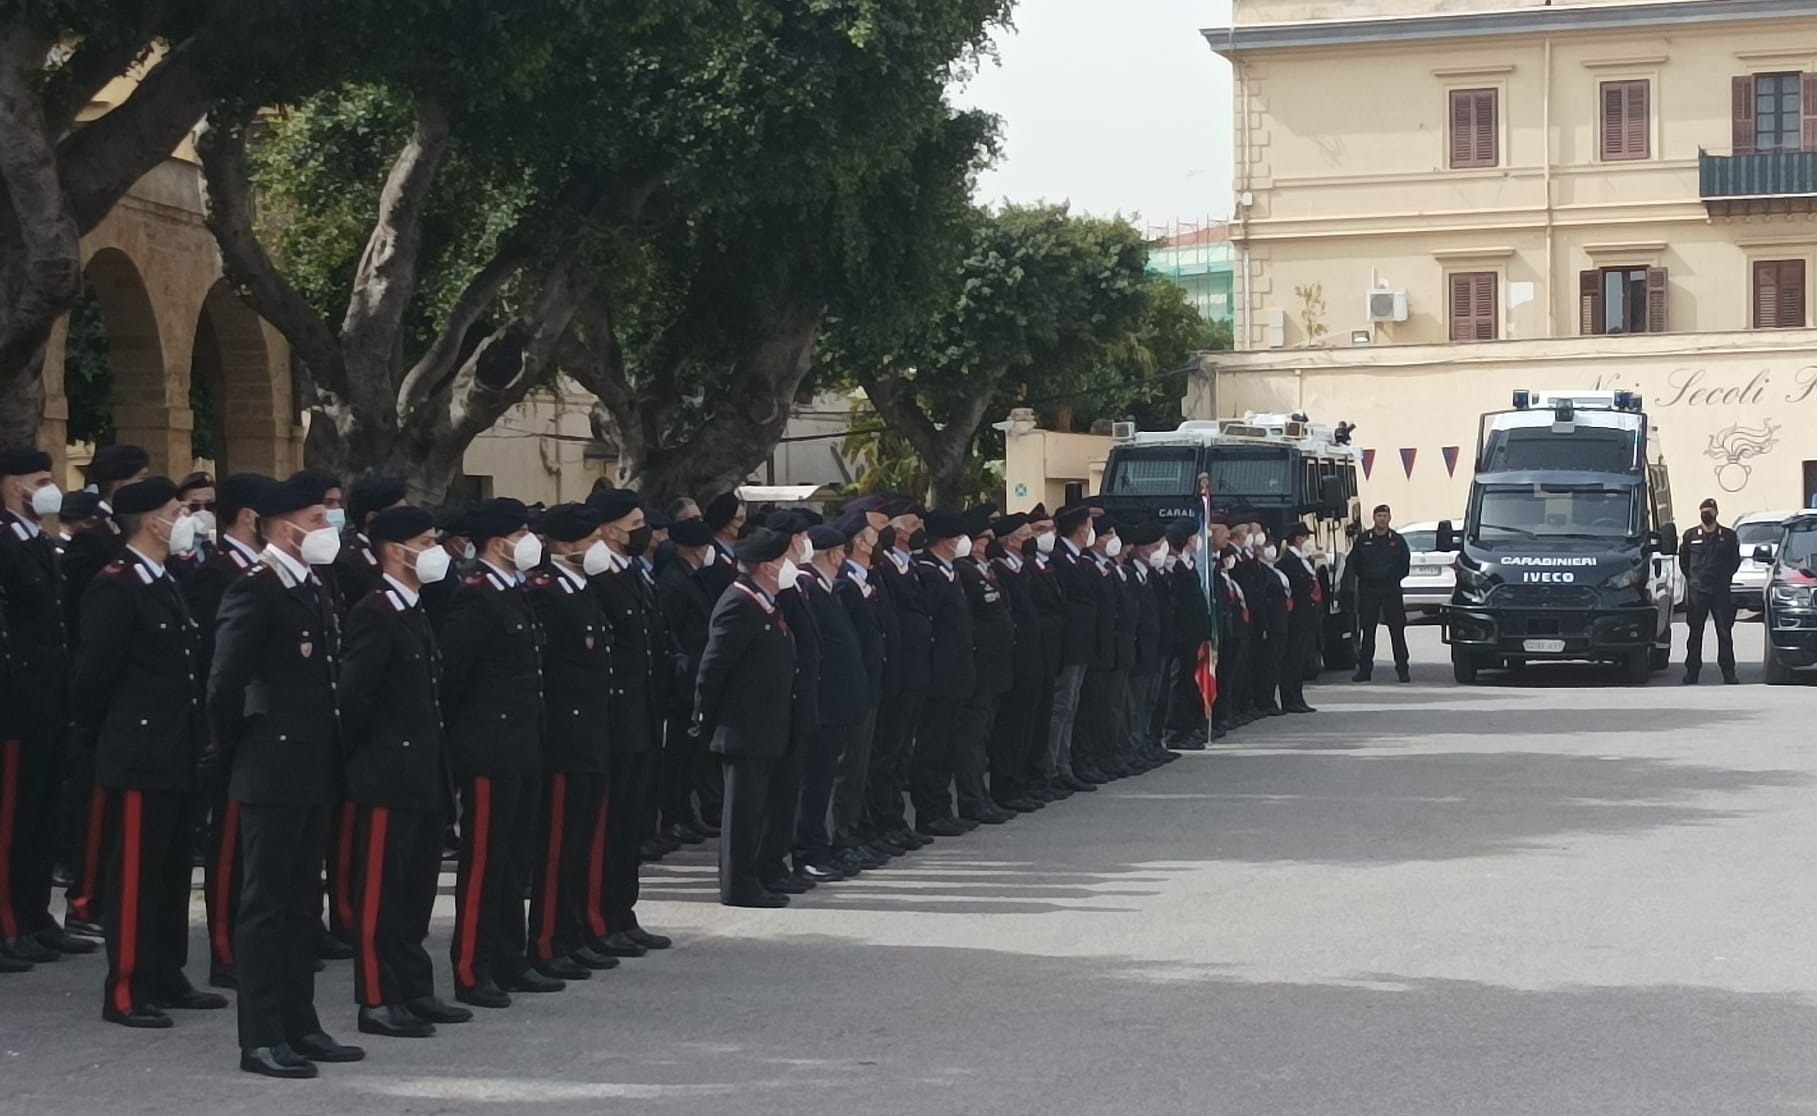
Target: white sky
column 1114, row 105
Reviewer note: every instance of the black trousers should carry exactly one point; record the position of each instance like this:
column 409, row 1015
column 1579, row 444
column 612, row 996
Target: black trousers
column 1233, row 681
column 1010, row 774
column 564, row 855
column 1185, row 704
column 147, row 906
column 1699, row 606
column 497, row 820
column 1382, row 606
column 783, row 811
column 1112, row 720
column 850, row 783
column 1139, row 693
column 891, row 749
column 1040, row 733
column 1088, row 728
column 743, row 816
column 631, row 787
column 397, row 864
column 280, row 901
column 1270, row 654
column 338, row 871
column 675, row 780
column 28, row 830
column 709, row 781
column 971, row 755
column 221, row 878
column 931, row 767
column 819, row 771
column 82, row 839
column 1302, row 637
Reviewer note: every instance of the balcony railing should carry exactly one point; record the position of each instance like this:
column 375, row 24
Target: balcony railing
column 1762, row 182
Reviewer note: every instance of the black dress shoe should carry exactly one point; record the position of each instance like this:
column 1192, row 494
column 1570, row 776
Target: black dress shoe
column 1401, row 674
column 486, row 994
column 561, row 968
column 14, row 965
column 593, row 959
column 29, row 949
column 653, row 850
column 322, row 1048
column 706, row 828
column 619, row 944
column 1092, row 775
column 394, row 1021
column 436, row 1011
column 330, row 948
column 59, row 939
column 684, row 835
column 909, row 839
column 264, row 1060
column 223, row 976
column 850, row 863
column 1301, row 708
column 648, row 940
column 789, row 885
column 820, row 870
column 193, row 1000
column 993, row 817
column 145, row 1015
column 759, row 902
column 1077, row 785
column 531, row 981
column 87, row 929
column 1730, row 679
column 943, row 827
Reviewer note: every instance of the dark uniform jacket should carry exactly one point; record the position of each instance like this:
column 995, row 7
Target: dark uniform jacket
column 800, row 618
column 1129, row 614
column 136, row 696
column 1379, row 561
column 1043, row 579
column 993, row 629
column 915, row 632
column 1268, row 603
column 865, row 607
column 203, row 590
column 1103, row 585
column 492, row 679
column 1018, row 587
column 621, row 600
column 743, row 696
column 668, row 666
column 952, row 673
column 1191, row 612
column 391, row 711
column 271, row 692
column 31, row 590
column 1080, row 586
column 1238, row 618
column 357, row 573
column 1709, row 558
column 85, row 555
column 718, row 577
column 1147, row 647
column 687, row 610
column 1307, row 593
column 577, row 673
column 844, row 685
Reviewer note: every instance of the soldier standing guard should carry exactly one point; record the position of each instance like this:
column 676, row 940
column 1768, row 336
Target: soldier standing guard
column 396, row 778
column 137, row 707
column 271, row 702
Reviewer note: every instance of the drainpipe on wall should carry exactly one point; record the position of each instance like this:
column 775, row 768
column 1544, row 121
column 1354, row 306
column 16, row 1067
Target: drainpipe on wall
column 1551, row 246
column 1240, row 213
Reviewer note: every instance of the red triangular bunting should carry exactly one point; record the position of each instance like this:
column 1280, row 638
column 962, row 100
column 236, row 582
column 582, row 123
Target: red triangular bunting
column 1450, row 453
column 1407, row 456
column 1368, row 463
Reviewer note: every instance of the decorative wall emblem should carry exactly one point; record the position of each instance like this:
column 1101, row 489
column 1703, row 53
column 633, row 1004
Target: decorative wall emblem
column 1734, row 446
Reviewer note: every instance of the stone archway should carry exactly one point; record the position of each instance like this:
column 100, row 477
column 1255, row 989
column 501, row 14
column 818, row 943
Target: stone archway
column 148, row 409
column 249, row 400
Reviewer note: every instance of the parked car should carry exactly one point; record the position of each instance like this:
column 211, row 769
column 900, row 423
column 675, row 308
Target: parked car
column 1791, row 599
column 1756, row 531
column 1430, row 578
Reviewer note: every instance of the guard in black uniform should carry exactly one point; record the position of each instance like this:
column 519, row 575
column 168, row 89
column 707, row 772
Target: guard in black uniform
column 855, row 846
column 1043, row 578
column 1381, row 560
column 993, row 673
column 683, row 579
column 356, row 570
column 493, row 708
column 909, row 648
column 271, row 703
column 137, row 707
column 742, row 705
column 1305, row 612
column 1013, row 778
column 396, row 778
column 1708, row 557
column 952, row 676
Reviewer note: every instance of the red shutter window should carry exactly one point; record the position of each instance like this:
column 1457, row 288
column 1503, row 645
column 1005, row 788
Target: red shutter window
column 1741, row 112
column 1656, row 300
column 1589, row 303
column 1473, row 306
column 1778, row 294
column 1474, row 138
column 1626, row 121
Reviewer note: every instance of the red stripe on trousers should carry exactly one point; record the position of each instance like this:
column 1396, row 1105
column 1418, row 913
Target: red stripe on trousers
column 130, row 837
column 558, row 824
column 90, row 883
column 476, row 880
column 343, row 855
column 9, row 821
column 596, row 870
column 222, row 930
column 369, row 903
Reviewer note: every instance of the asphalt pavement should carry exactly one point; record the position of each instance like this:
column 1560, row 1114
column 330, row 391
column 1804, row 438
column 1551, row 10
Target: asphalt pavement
column 1551, row 893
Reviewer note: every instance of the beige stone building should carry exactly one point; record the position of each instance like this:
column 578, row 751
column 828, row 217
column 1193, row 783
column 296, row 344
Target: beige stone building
column 1440, row 201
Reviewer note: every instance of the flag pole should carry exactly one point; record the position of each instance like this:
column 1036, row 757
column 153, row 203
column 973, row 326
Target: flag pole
column 1207, row 667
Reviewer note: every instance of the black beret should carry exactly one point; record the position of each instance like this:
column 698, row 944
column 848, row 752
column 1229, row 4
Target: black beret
column 241, row 490
column 691, row 532
column 320, row 480
column 18, row 461
column 613, row 504
column 760, row 546
column 658, row 521
column 284, row 497
column 790, row 521
column 1038, row 514
column 1295, row 531
column 894, row 507
column 1179, row 530
column 1071, row 519
column 569, row 522
column 370, row 494
column 195, row 480
column 1009, row 524
column 80, row 505
column 113, row 463
column 826, row 537
column 944, row 525
column 851, row 524
column 400, row 524
column 863, row 504
column 1708, row 502
column 977, row 521
column 491, row 519
column 144, row 496
column 722, row 509
column 1145, row 533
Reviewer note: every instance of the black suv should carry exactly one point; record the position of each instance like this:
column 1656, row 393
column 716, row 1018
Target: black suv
column 1791, row 600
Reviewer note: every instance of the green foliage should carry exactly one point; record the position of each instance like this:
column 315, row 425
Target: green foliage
column 891, row 464
column 88, row 373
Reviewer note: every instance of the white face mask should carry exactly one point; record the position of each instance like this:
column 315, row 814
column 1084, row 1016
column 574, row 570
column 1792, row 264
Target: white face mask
column 527, row 552
column 183, row 535
column 1045, row 543
column 47, row 500
column 321, row 546
column 1113, row 546
column 1091, row 537
column 470, row 553
column 432, row 565
column 1269, row 554
column 807, row 553
column 1157, row 559
column 337, row 518
column 1173, row 560
column 709, row 557
column 787, row 575
column 205, row 523
column 1230, row 561
column 1261, row 538
column 962, row 547
column 597, row 560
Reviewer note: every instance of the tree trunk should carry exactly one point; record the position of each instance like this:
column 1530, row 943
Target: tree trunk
column 22, row 403
column 946, row 449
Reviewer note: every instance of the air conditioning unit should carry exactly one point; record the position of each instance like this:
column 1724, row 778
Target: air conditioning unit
column 1123, row 431
column 1387, row 306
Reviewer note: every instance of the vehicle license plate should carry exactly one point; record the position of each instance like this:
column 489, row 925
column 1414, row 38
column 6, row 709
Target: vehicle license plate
column 1544, row 646
column 1428, row 571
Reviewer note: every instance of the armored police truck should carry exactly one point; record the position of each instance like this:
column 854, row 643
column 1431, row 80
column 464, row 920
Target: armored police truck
column 1567, row 544
column 1271, row 469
